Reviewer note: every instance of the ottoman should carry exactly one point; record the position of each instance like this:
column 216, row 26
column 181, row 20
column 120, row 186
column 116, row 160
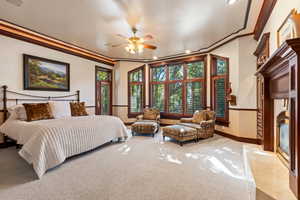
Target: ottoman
column 180, row 133
column 145, row 127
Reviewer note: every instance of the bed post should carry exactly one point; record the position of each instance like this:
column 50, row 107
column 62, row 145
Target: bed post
column 4, row 87
column 78, row 95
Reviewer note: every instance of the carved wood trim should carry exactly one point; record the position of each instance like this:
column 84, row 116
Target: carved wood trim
column 283, row 64
column 264, row 15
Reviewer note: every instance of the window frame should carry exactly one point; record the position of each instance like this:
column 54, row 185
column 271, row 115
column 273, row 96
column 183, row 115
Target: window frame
column 184, row 81
column 224, row 121
column 106, row 82
column 142, row 68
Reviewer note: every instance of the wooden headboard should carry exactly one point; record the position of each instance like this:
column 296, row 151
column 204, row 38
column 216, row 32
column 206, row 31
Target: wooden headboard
column 32, row 98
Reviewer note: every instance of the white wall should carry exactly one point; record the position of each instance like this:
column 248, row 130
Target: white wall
column 280, row 12
column 242, row 67
column 82, row 71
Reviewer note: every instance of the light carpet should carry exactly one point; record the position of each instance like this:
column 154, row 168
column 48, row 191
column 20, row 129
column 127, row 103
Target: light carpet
column 140, row 169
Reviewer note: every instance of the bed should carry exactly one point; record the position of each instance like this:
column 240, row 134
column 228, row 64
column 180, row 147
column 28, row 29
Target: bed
column 48, row 143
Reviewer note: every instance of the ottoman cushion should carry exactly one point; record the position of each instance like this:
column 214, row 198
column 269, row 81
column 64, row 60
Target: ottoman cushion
column 145, row 126
column 180, row 133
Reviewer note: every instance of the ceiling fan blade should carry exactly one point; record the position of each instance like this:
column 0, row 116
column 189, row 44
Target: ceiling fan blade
column 148, row 46
column 148, row 37
column 122, row 36
column 114, row 45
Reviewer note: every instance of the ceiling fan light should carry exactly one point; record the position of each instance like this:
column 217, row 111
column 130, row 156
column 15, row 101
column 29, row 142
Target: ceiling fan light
column 187, row 51
column 231, row 2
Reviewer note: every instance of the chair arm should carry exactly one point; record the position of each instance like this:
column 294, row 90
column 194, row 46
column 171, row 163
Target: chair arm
column 158, row 118
column 207, row 124
column 140, row 117
column 186, row 120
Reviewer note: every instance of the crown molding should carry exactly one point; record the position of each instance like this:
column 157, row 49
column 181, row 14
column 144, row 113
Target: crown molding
column 264, row 15
column 24, row 34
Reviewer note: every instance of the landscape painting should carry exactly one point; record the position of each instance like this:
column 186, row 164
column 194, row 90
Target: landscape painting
column 46, row 75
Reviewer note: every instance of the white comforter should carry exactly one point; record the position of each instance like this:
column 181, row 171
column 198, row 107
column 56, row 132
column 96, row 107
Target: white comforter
column 48, row 143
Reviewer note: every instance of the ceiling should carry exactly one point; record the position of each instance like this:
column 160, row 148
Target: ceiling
column 176, row 25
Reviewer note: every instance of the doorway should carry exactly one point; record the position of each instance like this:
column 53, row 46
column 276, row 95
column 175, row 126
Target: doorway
column 103, row 92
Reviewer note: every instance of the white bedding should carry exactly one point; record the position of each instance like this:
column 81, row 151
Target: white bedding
column 47, row 143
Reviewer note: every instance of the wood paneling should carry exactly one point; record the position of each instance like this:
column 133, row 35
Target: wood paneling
column 281, row 76
column 262, row 53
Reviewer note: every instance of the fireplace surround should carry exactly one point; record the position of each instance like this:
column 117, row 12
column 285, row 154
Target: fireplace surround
column 280, row 77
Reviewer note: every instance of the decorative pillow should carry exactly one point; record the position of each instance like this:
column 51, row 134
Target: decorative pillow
column 38, row 111
column 19, row 111
column 199, row 116
column 60, row 109
column 150, row 114
column 78, row 109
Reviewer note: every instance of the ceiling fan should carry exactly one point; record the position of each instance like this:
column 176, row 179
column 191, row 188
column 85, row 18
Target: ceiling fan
column 135, row 44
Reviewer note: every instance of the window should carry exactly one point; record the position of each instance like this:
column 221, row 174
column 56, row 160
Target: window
column 103, row 91
column 136, row 91
column 178, row 89
column 219, row 84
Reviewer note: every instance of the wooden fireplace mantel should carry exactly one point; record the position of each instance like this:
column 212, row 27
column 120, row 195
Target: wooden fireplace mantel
column 281, row 80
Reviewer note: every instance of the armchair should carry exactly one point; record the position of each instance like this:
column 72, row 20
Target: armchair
column 151, row 114
column 147, row 123
column 203, row 121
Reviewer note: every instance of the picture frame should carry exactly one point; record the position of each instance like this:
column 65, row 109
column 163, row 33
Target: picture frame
column 43, row 74
column 286, row 30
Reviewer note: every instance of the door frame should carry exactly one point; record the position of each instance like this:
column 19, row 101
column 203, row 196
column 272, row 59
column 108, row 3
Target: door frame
column 98, row 68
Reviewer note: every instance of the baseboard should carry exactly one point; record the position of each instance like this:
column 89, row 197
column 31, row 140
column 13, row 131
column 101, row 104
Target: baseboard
column 239, row 139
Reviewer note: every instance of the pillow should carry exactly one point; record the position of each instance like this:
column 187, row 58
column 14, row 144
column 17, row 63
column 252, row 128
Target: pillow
column 38, row 111
column 78, row 109
column 199, row 116
column 19, row 111
column 60, row 109
column 150, row 114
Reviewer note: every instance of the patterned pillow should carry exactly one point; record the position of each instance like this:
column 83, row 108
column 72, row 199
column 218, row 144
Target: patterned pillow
column 78, row 109
column 38, row 111
column 199, row 116
column 150, row 114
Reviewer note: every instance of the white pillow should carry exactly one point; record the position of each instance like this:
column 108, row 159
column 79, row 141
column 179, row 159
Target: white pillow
column 19, row 111
column 60, row 109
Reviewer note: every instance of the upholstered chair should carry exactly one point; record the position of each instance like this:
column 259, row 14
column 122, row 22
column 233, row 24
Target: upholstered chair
column 203, row 121
column 151, row 114
column 147, row 123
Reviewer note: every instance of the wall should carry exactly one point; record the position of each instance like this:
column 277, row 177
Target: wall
column 242, row 67
column 82, row 71
column 280, row 12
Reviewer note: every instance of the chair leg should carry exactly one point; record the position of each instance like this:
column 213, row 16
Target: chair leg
column 164, row 137
column 181, row 144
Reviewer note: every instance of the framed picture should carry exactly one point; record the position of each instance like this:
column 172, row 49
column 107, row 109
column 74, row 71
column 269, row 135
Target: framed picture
column 45, row 75
column 286, row 30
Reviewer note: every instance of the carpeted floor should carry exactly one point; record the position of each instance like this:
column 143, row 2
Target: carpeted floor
column 140, row 169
